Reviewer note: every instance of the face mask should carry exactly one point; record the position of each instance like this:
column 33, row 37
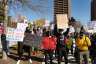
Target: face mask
column 81, row 37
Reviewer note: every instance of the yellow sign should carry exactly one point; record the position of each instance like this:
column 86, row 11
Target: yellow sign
column 40, row 23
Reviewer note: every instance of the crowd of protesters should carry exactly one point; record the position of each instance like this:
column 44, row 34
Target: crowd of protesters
column 59, row 42
column 62, row 42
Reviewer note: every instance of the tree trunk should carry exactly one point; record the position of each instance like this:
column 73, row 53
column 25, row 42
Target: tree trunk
column 5, row 6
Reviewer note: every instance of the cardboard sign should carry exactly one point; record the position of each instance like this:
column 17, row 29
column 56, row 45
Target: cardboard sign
column 16, row 34
column 71, row 29
column 62, row 21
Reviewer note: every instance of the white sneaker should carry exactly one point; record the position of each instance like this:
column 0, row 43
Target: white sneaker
column 18, row 62
column 30, row 60
column 8, row 53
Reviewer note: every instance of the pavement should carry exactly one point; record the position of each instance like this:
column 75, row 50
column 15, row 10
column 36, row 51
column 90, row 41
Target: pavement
column 13, row 58
column 36, row 59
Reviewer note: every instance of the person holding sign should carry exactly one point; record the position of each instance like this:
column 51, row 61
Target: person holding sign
column 4, row 43
column 61, row 47
column 25, row 45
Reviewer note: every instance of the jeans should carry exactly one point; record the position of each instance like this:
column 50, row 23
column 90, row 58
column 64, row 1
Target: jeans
column 61, row 53
column 77, row 55
column 48, row 56
column 5, row 45
column 23, row 48
column 84, row 55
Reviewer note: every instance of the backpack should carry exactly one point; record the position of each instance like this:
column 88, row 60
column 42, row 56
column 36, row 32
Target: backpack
column 87, row 44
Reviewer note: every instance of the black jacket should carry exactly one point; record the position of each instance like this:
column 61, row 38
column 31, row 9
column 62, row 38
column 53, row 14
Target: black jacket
column 60, row 41
column 3, row 37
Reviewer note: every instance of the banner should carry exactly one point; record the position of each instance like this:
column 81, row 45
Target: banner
column 62, row 21
column 16, row 34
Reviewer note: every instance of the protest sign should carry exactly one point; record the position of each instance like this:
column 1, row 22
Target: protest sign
column 62, row 21
column 16, row 34
column 40, row 22
column 71, row 29
column 47, row 23
column 92, row 26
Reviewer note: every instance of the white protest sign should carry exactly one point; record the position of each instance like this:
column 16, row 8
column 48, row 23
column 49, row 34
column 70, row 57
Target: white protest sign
column 47, row 23
column 21, row 26
column 52, row 27
column 10, row 34
column 62, row 21
column 71, row 30
column 92, row 26
column 16, row 34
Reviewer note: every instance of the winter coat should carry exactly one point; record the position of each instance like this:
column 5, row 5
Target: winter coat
column 83, row 43
column 61, row 44
column 3, row 37
column 48, row 43
column 69, row 42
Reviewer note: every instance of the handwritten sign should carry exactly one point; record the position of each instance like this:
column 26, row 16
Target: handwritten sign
column 16, row 34
column 62, row 21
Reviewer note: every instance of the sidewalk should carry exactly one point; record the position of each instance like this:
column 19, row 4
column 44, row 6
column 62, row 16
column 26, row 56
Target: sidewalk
column 12, row 59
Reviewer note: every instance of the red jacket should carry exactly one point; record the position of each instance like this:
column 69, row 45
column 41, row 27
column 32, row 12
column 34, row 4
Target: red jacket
column 49, row 43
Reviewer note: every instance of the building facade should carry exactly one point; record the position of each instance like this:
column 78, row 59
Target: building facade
column 62, row 7
column 93, row 10
column 1, row 13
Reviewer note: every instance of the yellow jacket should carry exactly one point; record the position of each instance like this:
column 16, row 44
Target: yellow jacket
column 83, row 43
